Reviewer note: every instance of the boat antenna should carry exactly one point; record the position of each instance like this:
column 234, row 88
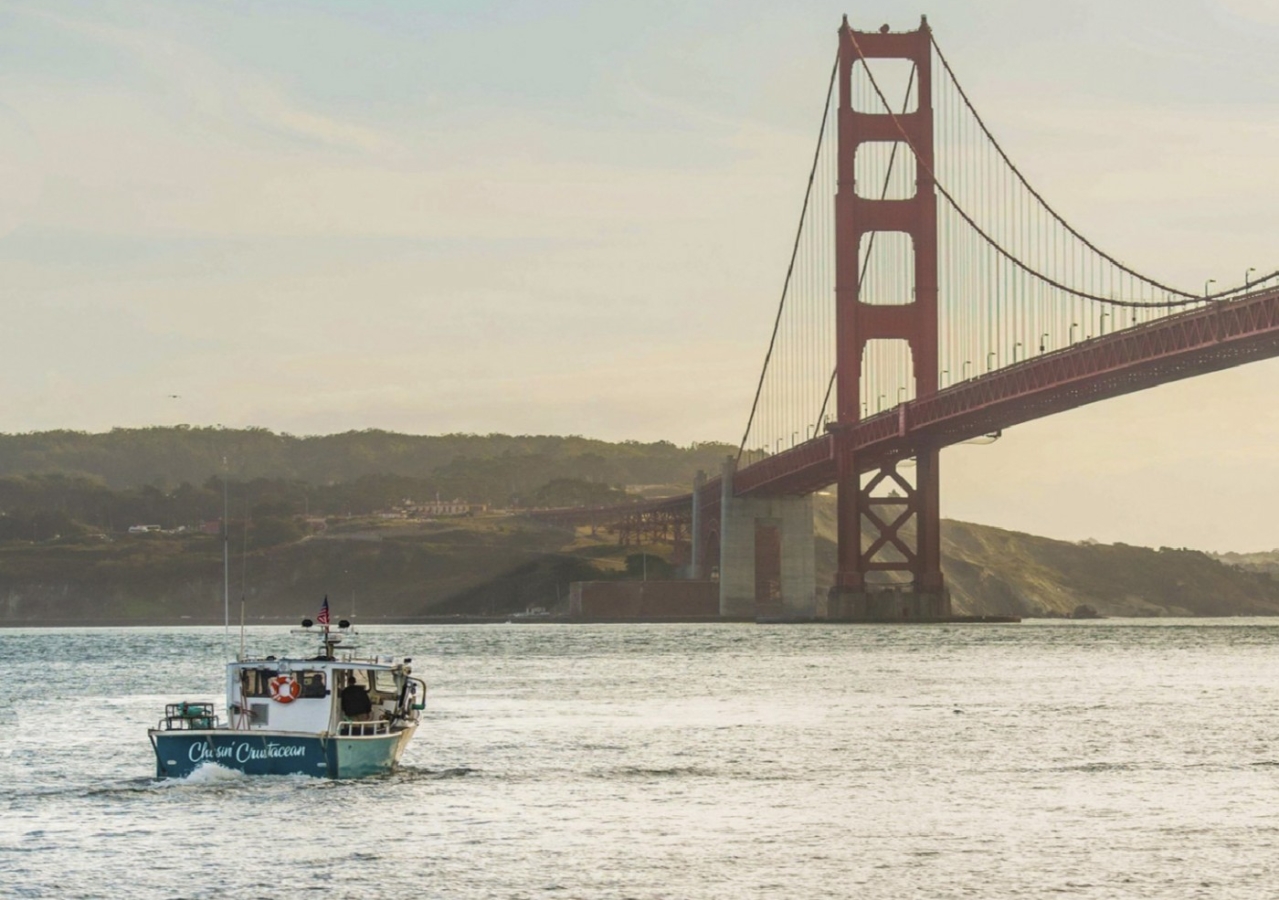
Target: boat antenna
column 226, row 560
column 244, row 571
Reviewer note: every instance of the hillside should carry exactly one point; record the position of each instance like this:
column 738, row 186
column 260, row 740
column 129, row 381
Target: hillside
column 317, row 515
column 1265, row 561
column 992, row 571
column 493, row 468
column 496, row 564
column 484, row 566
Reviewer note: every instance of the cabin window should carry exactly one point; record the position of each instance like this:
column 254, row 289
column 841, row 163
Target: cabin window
column 312, row 683
column 254, row 682
column 384, row 682
column 361, row 677
column 257, row 682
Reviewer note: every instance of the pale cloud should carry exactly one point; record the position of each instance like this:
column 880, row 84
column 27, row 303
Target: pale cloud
column 1265, row 12
column 212, row 89
column 273, row 107
column 21, row 174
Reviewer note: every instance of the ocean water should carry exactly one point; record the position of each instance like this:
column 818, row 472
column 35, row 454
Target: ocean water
column 1106, row 759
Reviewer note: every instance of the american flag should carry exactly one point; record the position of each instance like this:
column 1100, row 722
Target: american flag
column 323, row 617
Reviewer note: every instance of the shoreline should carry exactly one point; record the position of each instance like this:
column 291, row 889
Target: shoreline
column 512, row 619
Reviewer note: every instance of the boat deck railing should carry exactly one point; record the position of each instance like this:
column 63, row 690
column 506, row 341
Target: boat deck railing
column 364, row 729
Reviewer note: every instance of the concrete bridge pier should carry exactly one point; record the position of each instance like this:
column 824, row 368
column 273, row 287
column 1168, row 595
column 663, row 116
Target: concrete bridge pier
column 767, row 565
column 697, row 554
column 888, row 603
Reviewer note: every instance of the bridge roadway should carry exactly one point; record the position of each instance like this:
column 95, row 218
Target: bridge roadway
column 1208, row 339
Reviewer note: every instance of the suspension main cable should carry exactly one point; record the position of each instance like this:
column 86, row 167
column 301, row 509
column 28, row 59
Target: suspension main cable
column 1168, row 304
column 1022, row 178
column 803, row 213
column 1187, row 300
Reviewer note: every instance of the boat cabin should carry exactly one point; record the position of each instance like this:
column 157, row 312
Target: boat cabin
column 334, row 696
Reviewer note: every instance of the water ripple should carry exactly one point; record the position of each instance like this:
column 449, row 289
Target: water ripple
column 1095, row 760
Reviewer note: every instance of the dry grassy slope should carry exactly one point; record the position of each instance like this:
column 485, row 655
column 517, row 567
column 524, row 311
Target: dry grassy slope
column 990, row 570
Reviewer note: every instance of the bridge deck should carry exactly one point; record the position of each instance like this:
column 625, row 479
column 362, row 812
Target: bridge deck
column 1226, row 334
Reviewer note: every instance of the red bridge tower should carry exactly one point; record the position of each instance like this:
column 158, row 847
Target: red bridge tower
column 893, row 574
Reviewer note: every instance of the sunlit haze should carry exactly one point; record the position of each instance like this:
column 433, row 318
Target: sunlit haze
column 572, row 217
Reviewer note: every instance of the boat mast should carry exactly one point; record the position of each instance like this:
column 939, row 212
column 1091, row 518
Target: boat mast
column 226, row 563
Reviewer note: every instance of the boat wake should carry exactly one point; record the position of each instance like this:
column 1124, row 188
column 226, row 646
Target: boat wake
column 204, row 775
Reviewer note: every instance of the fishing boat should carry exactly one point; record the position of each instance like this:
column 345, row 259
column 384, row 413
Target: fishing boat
column 332, row 715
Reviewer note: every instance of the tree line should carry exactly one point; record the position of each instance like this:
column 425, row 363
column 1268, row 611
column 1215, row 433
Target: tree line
column 77, row 484
column 487, row 468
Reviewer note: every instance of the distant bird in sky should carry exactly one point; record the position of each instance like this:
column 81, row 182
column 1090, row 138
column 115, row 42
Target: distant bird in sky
column 174, row 396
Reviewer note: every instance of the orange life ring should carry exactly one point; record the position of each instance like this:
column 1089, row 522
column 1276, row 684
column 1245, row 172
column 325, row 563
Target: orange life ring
column 284, row 688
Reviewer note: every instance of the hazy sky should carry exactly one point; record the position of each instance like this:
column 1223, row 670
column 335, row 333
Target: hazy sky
column 574, row 217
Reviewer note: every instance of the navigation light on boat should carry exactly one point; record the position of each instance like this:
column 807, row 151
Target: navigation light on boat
column 343, row 623
column 307, row 623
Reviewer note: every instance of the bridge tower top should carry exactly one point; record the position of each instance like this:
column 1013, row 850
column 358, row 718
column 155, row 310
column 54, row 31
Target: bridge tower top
column 862, row 210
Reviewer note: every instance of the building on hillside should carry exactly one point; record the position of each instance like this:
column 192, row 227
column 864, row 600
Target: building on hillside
column 431, row 509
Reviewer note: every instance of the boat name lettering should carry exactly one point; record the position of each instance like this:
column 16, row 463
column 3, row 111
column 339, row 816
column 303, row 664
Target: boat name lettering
column 243, row 752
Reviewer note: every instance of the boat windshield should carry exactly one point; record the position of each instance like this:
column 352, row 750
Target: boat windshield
column 384, row 682
column 367, row 693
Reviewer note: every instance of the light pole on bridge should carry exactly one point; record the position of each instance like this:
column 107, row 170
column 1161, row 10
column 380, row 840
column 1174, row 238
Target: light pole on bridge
column 1015, row 346
column 1206, row 283
column 944, row 373
column 990, row 360
column 1043, row 338
column 1073, row 326
column 1104, row 313
column 1246, row 281
column 963, row 372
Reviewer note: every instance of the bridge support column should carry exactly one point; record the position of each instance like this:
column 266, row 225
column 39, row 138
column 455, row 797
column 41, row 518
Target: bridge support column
column 850, row 580
column 928, row 577
column 767, row 565
column 697, row 555
column 893, row 570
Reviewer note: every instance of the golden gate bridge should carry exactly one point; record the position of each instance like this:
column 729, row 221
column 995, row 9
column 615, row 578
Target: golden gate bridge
column 933, row 296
